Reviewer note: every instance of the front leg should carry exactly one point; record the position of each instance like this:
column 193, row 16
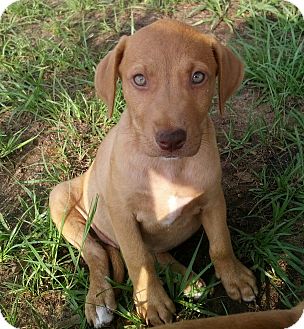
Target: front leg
column 238, row 280
column 151, row 300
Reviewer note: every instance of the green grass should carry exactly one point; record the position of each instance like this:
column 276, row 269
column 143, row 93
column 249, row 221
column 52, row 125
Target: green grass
column 48, row 108
column 218, row 11
column 13, row 142
column 272, row 49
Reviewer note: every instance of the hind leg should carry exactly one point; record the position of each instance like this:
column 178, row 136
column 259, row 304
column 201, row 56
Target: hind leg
column 68, row 215
column 193, row 288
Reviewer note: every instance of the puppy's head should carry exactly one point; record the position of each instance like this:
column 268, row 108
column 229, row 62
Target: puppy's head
column 168, row 71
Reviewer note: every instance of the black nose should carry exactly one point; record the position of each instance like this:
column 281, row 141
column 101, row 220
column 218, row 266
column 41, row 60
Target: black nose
column 171, row 140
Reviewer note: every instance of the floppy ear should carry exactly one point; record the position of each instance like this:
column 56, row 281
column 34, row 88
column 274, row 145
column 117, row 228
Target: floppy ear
column 106, row 75
column 230, row 73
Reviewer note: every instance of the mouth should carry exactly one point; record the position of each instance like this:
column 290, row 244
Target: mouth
column 170, row 157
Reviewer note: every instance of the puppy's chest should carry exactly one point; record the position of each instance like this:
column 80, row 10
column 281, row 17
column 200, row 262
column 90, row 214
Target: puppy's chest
column 165, row 203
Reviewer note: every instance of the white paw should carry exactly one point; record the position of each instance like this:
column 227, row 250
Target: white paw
column 249, row 299
column 104, row 316
column 195, row 290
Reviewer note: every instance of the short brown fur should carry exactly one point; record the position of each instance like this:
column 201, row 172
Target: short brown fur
column 151, row 199
column 278, row 319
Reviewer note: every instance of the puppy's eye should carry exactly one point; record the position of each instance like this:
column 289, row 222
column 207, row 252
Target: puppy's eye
column 139, row 80
column 198, row 77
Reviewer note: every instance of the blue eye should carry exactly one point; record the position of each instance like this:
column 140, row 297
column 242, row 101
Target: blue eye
column 139, row 80
column 198, row 77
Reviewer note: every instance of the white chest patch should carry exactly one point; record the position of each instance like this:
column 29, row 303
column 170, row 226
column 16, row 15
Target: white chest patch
column 168, row 198
column 175, row 206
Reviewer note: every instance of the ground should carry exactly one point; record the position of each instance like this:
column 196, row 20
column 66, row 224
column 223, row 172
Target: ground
column 51, row 124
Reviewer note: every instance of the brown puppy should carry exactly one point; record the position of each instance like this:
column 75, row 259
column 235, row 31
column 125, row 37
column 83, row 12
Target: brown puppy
column 157, row 174
column 279, row 319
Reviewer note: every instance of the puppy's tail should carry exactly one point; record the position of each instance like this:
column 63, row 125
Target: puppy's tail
column 299, row 308
column 118, row 266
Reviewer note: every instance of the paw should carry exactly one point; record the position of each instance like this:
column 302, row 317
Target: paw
column 156, row 308
column 195, row 289
column 99, row 307
column 238, row 281
column 104, row 317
